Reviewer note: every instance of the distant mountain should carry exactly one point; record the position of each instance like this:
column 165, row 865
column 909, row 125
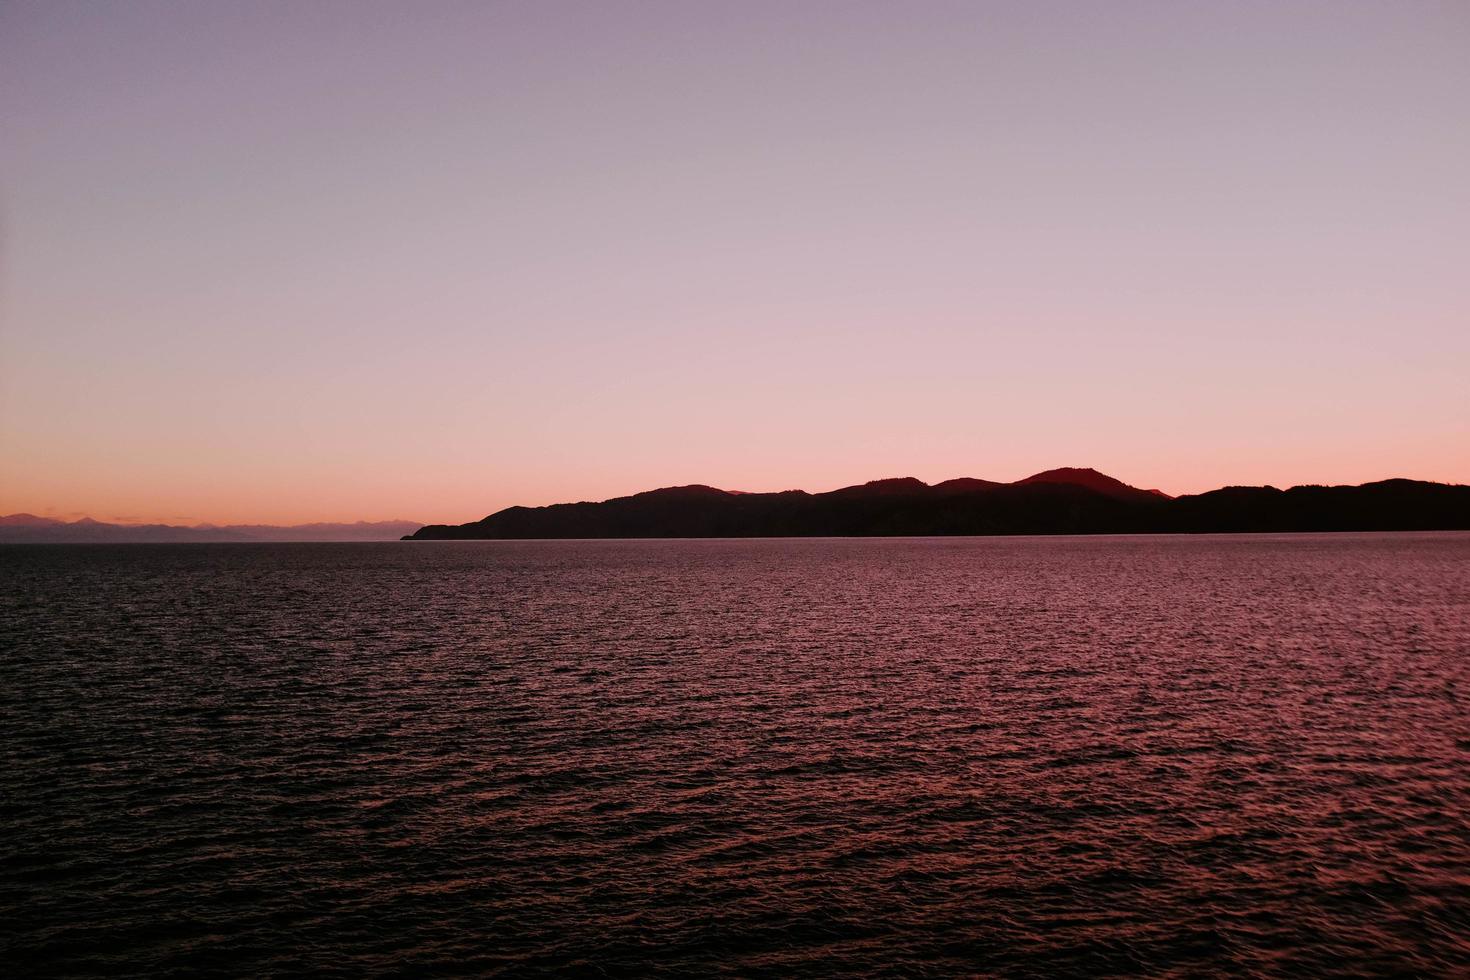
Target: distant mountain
column 27, row 520
column 1061, row 501
column 30, row 529
column 1093, row 480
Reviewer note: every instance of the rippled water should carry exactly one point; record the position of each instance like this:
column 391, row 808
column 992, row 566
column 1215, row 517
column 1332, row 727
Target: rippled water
column 825, row 757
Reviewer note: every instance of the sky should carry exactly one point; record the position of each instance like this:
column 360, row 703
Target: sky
column 336, row 261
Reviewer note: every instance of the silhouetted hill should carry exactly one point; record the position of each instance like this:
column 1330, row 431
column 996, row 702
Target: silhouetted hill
column 896, row 487
column 965, row 484
column 29, row 529
column 1092, row 480
column 1062, row 501
column 1387, row 505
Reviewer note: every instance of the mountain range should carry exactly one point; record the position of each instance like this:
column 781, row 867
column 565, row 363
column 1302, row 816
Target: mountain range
column 1061, row 501
column 30, row 529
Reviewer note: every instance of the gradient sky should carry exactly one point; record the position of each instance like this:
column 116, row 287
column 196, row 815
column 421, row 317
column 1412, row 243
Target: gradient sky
column 330, row 261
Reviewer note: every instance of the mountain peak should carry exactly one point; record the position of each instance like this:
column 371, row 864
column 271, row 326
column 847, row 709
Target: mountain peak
column 1070, row 474
column 965, row 484
column 689, row 491
column 891, row 485
column 1086, row 476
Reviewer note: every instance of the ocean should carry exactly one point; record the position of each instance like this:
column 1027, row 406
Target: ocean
column 814, row 757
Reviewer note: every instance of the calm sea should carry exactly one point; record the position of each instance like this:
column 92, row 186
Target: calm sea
column 678, row 758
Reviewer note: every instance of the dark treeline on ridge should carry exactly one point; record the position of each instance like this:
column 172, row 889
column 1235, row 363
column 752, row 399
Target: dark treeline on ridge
column 1064, row 501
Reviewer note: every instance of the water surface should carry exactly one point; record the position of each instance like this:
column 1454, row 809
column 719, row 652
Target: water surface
column 822, row 757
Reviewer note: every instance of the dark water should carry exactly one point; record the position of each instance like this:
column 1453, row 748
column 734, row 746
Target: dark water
column 917, row 757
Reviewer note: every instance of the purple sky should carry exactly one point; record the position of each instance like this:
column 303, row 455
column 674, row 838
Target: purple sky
column 315, row 261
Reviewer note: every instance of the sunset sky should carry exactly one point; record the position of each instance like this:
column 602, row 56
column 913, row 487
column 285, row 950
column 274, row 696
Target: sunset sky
column 335, row 261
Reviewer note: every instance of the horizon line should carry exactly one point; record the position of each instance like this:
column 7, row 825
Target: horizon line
column 75, row 517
